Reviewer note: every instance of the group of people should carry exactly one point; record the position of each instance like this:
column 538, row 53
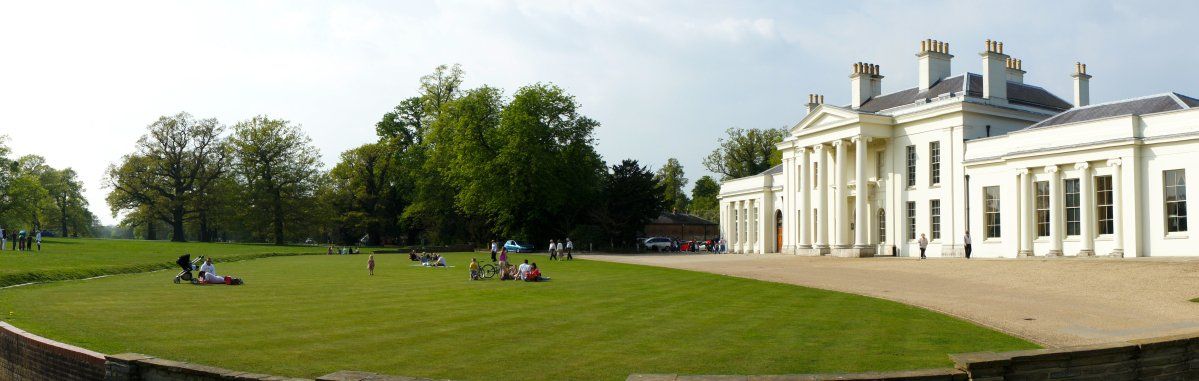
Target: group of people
column 22, row 240
column 528, row 272
column 561, row 250
column 425, row 259
column 343, row 250
column 208, row 275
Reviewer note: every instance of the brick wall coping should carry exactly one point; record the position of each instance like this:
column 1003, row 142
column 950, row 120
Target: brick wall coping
column 62, row 349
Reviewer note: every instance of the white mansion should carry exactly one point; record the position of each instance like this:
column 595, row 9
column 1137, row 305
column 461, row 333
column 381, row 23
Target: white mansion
column 1024, row 171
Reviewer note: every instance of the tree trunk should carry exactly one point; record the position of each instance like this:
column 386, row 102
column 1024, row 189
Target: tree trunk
column 205, row 234
column 278, row 206
column 64, row 222
column 177, row 232
column 151, row 230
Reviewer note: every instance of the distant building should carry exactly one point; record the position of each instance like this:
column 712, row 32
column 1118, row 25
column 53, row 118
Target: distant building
column 1024, row 171
column 682, row 226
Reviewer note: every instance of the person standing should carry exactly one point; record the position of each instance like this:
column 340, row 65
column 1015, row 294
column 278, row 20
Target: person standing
column 494, row 248
column 504, row 258
column 923, row 242
column 966, row 240
column 39, row 240
column 570, row 248
column 370, row 264
column 21, row 240
column 3, row 239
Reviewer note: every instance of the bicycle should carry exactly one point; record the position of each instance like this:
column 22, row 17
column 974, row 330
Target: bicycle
column 488, row 271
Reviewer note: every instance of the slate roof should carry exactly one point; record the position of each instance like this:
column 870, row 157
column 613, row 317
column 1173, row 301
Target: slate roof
column 1018, row 93
column 1136, row 106
column 667, row 218
column 773, row 170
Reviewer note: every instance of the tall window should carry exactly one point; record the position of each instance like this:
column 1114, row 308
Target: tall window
column 934, row 218
column 911, row 220
column 1105, row 214
column 1175, row 187
column 882, row 226
column 1073, row 210
column 911, row 166
column 934, row 163
column 1042, row 208
column 991, row 211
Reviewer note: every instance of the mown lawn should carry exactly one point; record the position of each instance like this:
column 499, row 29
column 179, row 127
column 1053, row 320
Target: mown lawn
column 73, row 258
column 312, row 315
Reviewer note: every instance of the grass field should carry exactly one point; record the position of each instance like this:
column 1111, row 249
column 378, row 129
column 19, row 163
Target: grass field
column 312, row 315
column 62, row 258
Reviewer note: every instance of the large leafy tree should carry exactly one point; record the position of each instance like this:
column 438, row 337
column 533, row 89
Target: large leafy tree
column 359, row 192
column 277, row 167
column 177, row 161
column 527, row 167
column 703, row 198
column 673, row 180
column 631, row 199
column 745, row 152
column 69, row 207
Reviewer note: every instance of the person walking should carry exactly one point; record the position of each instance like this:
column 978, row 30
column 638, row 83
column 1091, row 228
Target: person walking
column 3, row 238
column 494, row 248
column 966, row 240
column 39, row 240
column 570, row 248
column 923, row 244
column 553, row 250
column 561, row 250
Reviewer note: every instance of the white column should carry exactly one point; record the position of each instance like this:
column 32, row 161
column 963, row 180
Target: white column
column 822, row 216
column 1086, row 210
column 1055, row 211
column 841, row 219
column 805, row 204
column 790, row 180
column 753, row 240
column 1118, row 205
column 860, row 237
column 1026, row 213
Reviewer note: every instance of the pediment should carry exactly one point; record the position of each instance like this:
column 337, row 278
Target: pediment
column 824, row 115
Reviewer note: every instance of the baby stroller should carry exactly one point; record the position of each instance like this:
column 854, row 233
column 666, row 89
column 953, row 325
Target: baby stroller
column 187, row 264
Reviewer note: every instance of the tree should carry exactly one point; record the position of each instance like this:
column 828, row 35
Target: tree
column 359, row 192
column 174, row 163
column 631, row 198
column 745, row 152
column 672, row 180
column 67, row 201
column 277, row 166
column 703, row 198
column 527, row 167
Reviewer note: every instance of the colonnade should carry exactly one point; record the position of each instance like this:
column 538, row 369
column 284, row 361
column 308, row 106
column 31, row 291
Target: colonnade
column 1088, row 222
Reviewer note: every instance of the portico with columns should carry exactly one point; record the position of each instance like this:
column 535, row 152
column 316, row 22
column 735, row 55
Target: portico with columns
column 1025, row 172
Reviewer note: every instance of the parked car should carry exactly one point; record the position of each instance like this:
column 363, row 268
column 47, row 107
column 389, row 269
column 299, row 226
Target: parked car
column 659, row 244
column 514, row 246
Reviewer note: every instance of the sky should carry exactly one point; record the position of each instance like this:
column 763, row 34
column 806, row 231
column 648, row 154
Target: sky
column 80, row 81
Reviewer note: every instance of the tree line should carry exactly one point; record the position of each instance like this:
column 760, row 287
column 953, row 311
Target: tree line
column 448, row 165
column 35, row 196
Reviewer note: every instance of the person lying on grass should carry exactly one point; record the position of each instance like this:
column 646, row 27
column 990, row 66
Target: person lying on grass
column 210, row 278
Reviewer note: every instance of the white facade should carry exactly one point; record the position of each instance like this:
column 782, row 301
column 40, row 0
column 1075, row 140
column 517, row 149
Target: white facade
column 1026, row 172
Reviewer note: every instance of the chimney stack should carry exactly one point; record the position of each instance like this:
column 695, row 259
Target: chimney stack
column 1015, row 70
column 1082, row 85
column 934, row 59
column 814, row 100
column 865, row 83
column 994, row 71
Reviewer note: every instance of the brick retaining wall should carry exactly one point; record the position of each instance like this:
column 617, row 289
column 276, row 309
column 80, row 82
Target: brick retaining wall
column 24, row 356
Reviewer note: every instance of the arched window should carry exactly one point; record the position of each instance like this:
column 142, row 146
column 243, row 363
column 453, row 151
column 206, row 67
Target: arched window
column 882, row 226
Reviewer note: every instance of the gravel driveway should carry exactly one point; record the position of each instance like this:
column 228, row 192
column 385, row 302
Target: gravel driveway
column 1053, row 302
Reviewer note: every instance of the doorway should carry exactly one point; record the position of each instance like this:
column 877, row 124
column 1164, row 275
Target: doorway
column 778, row 228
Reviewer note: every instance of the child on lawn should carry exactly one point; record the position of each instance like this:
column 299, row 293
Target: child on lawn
column 370, row 264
